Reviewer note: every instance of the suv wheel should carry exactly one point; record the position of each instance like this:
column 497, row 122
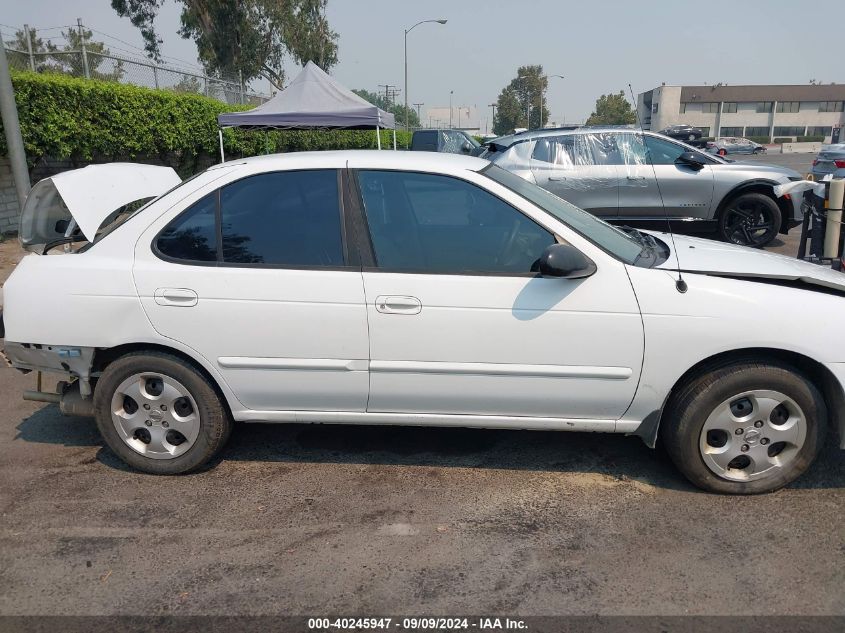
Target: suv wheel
column 750, row 219
column 745, row 428
column 159, row 414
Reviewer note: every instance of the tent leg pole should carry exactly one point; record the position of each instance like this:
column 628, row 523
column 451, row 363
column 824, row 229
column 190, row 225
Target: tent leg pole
column 220, row 136
column 378, row 139
column 394, row 139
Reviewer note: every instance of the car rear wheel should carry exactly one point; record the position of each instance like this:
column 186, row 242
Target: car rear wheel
column 750, row 219
column 159, row 414
column 745, row 428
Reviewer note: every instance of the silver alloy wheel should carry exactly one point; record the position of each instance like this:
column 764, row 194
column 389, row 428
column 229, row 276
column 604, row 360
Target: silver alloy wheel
column 752, row 435
column 155, row 415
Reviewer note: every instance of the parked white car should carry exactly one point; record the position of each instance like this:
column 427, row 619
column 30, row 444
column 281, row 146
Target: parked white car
column 414, row 288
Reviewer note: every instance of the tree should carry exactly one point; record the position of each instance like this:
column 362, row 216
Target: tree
column 246, row 38
column 67, row 59
column 612, row 109
column 188, row 85
column 398, row 110
column 525, row 92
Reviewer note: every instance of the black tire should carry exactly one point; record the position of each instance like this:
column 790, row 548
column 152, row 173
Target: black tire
column 758, row 150
column 750, row 219
column 215, row 424
column 689, row 408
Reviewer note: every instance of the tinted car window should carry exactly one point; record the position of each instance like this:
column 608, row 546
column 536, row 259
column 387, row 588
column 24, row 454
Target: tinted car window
column 663, row 152
column 438, row 224
column 283, row 218
column 424, row 141
column 193, row 234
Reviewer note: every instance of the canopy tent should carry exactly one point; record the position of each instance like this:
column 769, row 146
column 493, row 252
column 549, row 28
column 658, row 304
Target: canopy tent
column 313, row 100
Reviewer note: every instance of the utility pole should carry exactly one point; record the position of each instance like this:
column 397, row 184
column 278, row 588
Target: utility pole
column 390, row 93
column 451, row 92
column 29, row 47
column 419, row 116
column 84, row 52
column 12, row 127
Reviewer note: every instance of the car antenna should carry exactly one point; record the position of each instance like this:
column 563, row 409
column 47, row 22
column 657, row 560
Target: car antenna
column 680, row 284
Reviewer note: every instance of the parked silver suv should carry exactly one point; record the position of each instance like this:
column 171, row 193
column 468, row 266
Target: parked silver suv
column 632, row 177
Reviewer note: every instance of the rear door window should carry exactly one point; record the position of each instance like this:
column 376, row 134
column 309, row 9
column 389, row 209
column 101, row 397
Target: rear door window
column 290, row 219
column 192, row 236
column 563, row 151
column 283, row 218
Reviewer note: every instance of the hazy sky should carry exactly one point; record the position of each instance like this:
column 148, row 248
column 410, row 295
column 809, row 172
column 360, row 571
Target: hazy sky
column 599, row 45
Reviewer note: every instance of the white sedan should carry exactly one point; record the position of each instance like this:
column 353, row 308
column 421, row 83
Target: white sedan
column 413, row 288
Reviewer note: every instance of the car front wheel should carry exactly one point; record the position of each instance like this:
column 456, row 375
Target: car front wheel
column 745, row 428
column 159, row 414
column 750, row 219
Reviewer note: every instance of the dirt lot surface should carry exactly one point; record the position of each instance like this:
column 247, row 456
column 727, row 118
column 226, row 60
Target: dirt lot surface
column 321, row 520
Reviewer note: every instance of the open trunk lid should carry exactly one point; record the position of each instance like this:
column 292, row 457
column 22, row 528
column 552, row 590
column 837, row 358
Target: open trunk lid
column 85, row 198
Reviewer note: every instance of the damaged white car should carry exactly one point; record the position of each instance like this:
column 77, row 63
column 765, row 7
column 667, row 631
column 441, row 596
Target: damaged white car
column 413, row 288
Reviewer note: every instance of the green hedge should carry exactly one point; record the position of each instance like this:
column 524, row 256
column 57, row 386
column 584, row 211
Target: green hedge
column 763, row 140
column 85, row 120
column 800, row 139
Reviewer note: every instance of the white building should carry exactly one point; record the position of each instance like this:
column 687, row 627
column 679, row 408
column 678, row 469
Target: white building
column 762, row 111
column 463, row 117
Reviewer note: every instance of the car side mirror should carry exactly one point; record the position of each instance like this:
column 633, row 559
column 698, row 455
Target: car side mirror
column 690, row 159
column 466, row 148
column 566, row 262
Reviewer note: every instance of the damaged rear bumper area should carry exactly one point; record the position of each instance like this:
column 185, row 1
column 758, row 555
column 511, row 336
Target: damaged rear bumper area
column 73, row 395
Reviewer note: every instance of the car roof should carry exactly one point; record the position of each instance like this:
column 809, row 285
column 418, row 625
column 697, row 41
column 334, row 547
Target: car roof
column 361, row 159
column 511, row 139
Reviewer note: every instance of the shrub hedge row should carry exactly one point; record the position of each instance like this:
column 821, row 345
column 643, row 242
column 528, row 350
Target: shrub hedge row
column 85, row 120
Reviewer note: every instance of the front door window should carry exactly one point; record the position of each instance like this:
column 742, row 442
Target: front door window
column 437, row 224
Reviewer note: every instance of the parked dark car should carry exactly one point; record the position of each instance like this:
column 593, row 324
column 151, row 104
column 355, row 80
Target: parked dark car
column 686, row 133
column 449, row 141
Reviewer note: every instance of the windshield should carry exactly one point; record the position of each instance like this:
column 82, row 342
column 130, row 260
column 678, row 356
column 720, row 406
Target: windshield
column 614, row 241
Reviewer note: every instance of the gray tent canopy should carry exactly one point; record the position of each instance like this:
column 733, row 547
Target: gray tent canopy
column 313, row 100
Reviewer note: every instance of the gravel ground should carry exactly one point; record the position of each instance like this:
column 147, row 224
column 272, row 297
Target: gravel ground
column 323, row 520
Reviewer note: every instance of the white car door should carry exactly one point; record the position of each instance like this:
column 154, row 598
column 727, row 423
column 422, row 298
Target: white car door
column 460, row 325
column 256, row 277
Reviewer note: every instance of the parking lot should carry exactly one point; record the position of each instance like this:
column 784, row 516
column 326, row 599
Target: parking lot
column 325, row 519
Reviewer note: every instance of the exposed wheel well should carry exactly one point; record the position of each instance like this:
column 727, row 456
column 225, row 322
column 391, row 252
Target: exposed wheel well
column 102, row 358
column 813, row 370
column 765, row 188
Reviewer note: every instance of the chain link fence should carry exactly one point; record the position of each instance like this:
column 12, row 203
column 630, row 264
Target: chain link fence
column 127, row 70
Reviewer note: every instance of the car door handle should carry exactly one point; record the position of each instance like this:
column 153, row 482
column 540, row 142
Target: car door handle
column 636, row 177
column 393, row 304
column 558, row 178
column 180, row 297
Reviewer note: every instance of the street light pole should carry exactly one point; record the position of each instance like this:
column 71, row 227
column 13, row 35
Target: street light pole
column 542, row 95
column 441, row 21
column 451, row 92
